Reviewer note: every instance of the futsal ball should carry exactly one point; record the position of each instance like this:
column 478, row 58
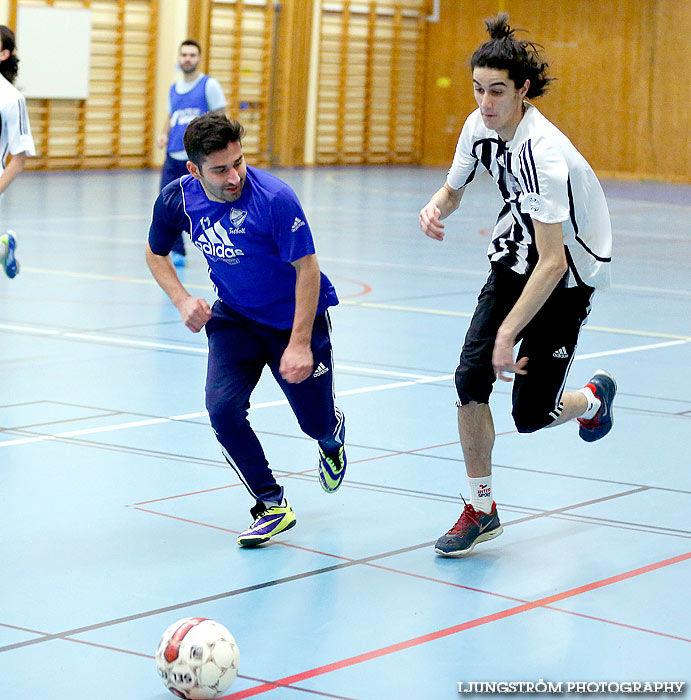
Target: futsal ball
column 197, row 658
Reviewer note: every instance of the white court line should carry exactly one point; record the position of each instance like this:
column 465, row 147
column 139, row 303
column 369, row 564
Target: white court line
column 202, row 414
column 28, row 329
column 187, row 348
column 637, row 348
column 137, row 343
column 282, row 402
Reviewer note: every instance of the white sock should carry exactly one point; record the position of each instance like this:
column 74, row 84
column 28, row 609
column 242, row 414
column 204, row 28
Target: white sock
column 593, row 403
column 481, row 493
column 3, row 250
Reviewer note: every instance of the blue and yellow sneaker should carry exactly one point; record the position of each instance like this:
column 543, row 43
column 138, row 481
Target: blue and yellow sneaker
column 268, row 521
column 470, row 529
column 9, row 261
column 332, row 469
column 604, row 387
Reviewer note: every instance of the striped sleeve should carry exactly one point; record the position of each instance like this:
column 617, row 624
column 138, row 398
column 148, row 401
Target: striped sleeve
column 465, row 160
column 543, row 175
column 15, row 119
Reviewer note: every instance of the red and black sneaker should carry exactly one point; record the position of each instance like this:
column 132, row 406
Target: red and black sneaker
column 604, row 387
column 471, row 528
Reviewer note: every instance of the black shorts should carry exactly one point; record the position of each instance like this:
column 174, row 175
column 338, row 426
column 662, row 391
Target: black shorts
column 548, row 341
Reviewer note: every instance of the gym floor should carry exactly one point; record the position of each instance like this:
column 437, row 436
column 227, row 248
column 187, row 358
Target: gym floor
column 119, row 514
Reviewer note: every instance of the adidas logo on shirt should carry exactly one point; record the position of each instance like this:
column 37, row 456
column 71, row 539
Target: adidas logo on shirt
column 561, row 354
column 321, row 369
column 296, row 224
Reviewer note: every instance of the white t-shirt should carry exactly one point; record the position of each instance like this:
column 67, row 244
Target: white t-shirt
column 541, row 176
column 15, row 130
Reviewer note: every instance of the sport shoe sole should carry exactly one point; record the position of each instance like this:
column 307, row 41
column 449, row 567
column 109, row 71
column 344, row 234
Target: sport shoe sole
column 484, row 537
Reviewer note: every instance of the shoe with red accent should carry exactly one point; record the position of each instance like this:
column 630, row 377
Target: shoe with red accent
column 604, row 387
column 470, row 529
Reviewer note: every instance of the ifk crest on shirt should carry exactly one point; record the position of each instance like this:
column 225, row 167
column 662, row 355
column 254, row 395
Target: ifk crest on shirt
column 237, row 216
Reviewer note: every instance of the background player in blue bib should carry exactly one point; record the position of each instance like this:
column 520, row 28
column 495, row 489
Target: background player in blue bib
column 192, row 94
column 272, row 308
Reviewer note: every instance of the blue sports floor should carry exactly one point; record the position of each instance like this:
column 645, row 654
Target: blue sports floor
column 119, row 515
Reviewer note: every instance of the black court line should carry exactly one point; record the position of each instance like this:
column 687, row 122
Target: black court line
column 289, row 579
column 624, row 525
column 418, row 452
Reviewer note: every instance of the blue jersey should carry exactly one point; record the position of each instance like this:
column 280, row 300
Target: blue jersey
column 183, row 109
column 249, row 244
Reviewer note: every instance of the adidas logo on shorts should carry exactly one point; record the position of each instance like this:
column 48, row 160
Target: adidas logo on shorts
column 561, row 354
column 321, row 369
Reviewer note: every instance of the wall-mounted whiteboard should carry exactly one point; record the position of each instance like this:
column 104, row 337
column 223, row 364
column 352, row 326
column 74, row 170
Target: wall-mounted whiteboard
column 53, row 45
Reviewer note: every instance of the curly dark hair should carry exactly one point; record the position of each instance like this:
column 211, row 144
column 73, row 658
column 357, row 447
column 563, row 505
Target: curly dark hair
column 10, row 66
column 521, row 59
column 209, row 133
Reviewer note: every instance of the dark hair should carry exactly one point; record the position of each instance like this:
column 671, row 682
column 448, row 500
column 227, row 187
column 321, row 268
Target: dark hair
column 521, row 59
column 10, row 66
column 209, row 133
column 191, row 42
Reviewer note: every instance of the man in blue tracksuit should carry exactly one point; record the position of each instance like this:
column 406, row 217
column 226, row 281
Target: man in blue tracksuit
column 272, row 308
column 192, row 94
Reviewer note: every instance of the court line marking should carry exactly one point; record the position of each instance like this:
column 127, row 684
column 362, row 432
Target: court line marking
column 467, row 314
column 455, row 629
column 37, row 330
column 529, row 513
column 152, row 656
column 203, row 350
column 282, row 402
column 345, row 563
column 344, row 261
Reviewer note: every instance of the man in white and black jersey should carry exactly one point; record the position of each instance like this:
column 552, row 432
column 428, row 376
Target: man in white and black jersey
column 550, row 250
column 15, row 137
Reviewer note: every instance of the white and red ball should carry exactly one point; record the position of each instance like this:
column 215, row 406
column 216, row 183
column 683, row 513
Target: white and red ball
column 197, row 658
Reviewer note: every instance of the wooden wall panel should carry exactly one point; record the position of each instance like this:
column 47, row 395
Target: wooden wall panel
column 240, row 53
column 371, row 67
column 112, row 128
column 670, row 91
column 600, row 52
column 392, row 88
column 448, row 94
column 291, row 85
column 622, row 89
